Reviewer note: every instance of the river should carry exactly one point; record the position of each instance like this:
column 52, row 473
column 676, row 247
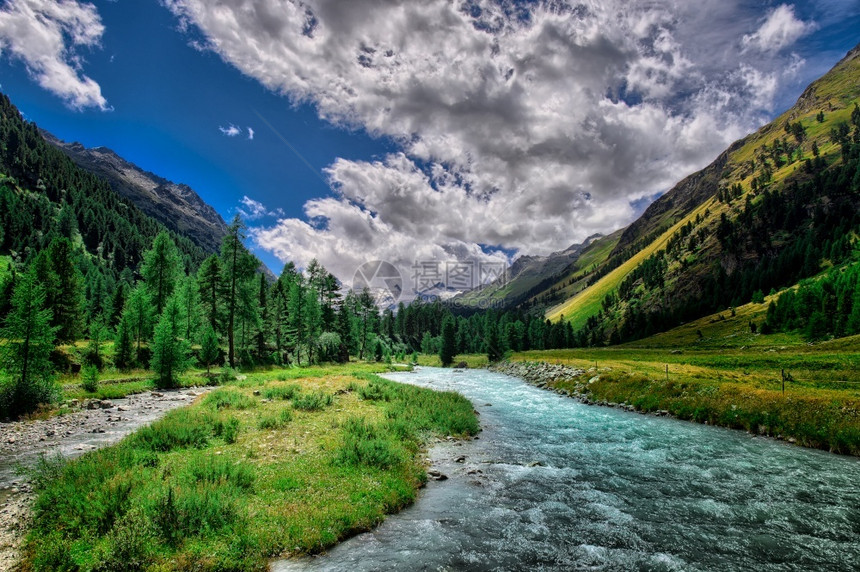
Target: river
column 552, row 484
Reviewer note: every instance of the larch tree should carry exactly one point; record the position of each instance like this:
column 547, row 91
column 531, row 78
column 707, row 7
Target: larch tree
column 26, row 350
column 210, row 286
column 161, row 269
column 171, row 354
column 138, row 314
column 448, row 348
column 238, row 266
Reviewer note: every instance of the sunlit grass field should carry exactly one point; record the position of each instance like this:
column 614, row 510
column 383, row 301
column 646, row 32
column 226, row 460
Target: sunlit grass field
column 810, row 394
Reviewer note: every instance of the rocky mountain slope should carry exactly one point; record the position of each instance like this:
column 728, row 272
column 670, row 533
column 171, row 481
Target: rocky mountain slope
column 175, row 205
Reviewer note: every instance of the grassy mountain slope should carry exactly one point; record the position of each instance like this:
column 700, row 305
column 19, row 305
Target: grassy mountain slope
column 760, row 217
column 574, row 278
column 526, row 274
column 588, row 302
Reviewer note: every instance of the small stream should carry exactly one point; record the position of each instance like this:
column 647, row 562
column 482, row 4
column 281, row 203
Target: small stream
column 552, row 484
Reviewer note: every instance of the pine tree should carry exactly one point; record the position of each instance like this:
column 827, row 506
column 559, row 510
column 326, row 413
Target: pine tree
column 209, row 283
column 313, row 322
column 297, row 319
column 98, row 333
column 189, row 301
column 210, row 351
column 25, row 355
column 138, row 315
column 171, row 355
column 123, row 357
column 263, row 329
column 448, row 348
column 161, row 269
column 367, row 312
column 55, row 269
column 238, row 266
column 494, row 350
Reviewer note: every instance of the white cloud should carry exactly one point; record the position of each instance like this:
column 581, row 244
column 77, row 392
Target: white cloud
column 526, row 132
column 780, row 30
column 250, row 134
column 252, row 210
column 230, row 131
column 46, row 36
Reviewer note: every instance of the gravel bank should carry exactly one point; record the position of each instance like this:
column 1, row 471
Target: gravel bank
column 90, row 425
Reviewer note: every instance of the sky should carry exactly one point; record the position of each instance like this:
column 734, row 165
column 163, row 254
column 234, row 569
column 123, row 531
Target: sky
column 439, row 132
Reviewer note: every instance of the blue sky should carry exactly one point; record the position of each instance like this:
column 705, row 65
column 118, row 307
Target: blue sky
column 472, row 130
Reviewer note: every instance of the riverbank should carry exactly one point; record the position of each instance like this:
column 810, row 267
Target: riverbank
column 821, row 419
column 84, row 426
column 279, row 463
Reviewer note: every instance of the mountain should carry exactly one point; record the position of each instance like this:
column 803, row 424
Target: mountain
column 776, row 208
column 174, row 205
column 525, row 276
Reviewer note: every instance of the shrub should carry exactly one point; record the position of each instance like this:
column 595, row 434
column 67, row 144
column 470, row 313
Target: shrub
column 227, row 430
column 228, row 399
column 375, row 392
column 365, row 444
column 209, row 469
column 278, row 421
column 180, row 429
column 90, row 378
column 190, row 512
column 281, row 392
column 312, row 401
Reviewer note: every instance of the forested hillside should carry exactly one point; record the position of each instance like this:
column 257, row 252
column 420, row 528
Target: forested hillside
column 784, row 208
column 45, row 197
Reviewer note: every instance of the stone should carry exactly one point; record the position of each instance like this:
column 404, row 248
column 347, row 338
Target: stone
column 437, row 475
column 460, row 459
column 106, row 404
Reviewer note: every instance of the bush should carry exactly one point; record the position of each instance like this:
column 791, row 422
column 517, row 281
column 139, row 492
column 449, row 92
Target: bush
column 375, row 392
column 227, row 430
column 190, row 512
column 228, row 399
column 180, row 429
column 212, row 470
column 129, row 544
column 281, row 392
column 90, row 378
column 365, row 444
column 226, row 374
column 278, row 421
column 312, row 401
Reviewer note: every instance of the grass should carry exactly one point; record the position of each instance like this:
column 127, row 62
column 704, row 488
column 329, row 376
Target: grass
column 472, row 360
column 733, row 387
column 241, row 476
column 588, row 302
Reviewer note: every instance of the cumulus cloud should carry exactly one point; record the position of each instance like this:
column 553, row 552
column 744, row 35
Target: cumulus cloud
column 780, row 30
column 521, row 126
column 47, row 36
column 230, row 131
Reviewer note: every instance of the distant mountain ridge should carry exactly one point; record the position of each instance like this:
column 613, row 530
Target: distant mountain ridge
column 525, row 274
column 175, row 205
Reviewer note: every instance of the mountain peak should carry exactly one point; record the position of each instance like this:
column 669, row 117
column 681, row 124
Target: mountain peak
column 176, row 205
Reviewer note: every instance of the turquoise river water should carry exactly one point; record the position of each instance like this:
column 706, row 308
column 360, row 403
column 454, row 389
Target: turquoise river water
column 552, row 484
